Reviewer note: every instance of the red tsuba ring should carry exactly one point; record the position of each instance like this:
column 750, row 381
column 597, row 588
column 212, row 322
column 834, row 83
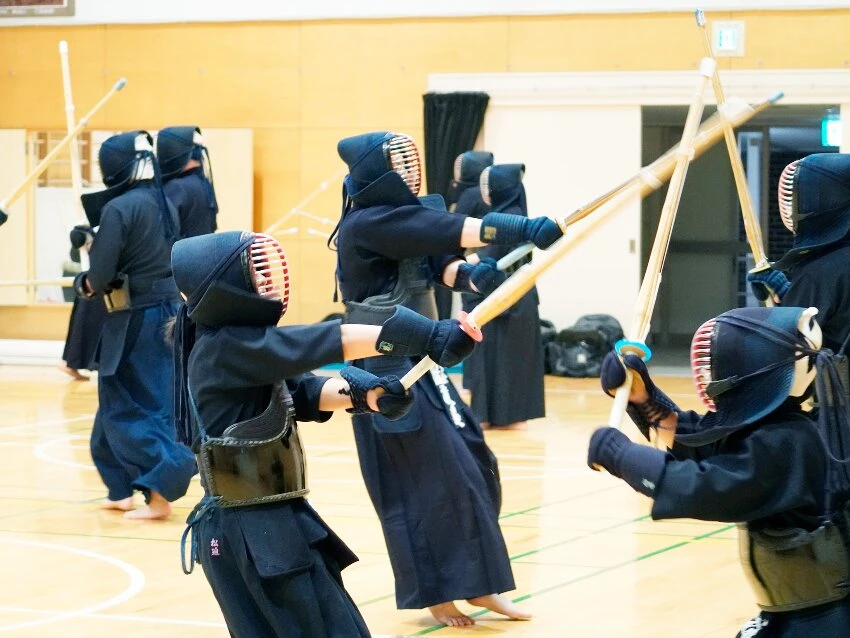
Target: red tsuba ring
column 468, row 328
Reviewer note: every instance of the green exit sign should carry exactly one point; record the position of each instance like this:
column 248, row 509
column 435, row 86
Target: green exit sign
column 728, row 38
column 830, row 131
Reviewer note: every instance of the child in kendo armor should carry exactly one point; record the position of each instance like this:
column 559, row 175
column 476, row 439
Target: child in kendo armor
column 243, row 385
column 757, row 458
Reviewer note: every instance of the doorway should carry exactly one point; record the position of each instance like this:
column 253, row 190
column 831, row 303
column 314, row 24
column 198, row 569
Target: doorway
column 708, row 257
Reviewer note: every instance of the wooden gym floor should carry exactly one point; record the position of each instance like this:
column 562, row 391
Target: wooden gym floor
column 588, row 560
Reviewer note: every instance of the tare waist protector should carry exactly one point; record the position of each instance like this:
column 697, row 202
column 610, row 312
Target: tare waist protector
column 794, row 569
column 260, row 460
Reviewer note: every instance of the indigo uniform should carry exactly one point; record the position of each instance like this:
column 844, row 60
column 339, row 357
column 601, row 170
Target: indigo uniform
column 512, row 348
column 242, row 386
column 822, row 280
column 756, row 459
column 431, row 477
column 274, row 568
column 133, row 441
column 189, row 192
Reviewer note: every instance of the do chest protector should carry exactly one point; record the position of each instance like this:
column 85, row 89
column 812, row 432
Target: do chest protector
column 260, row 460
column 794, row 569
column 412, row 289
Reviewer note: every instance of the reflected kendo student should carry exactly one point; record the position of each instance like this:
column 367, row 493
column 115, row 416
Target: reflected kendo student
column 431, row 477
column 187, row 178
column 133, row 442
column 757, row 458
column 273, row 564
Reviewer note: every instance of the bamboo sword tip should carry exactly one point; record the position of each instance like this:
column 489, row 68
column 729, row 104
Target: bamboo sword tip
column 773, row 99
column 63, row 46
column 120, row 84
column 700, row 16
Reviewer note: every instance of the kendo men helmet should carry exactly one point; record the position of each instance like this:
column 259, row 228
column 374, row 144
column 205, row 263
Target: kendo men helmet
column 501, row 185
column 466, row 172
column 176, row 145
column 814, row 203
column 123, row 159
column 747, row 362
column 381, row 156
column 232, row 278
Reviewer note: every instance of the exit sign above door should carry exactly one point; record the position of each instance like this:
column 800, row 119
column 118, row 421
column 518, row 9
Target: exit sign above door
column 728, row 38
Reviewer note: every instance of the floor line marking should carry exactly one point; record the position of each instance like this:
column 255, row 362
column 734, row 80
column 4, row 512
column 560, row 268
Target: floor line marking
column 137, row 584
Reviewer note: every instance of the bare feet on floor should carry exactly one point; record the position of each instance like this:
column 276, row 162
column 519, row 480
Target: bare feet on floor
column 74, row 374
column 501, row 605
column 157, row 509
column 449, row 615
column 125, row 504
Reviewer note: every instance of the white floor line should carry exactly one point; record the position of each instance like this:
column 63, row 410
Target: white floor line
column 40, row 452
column 137, row 584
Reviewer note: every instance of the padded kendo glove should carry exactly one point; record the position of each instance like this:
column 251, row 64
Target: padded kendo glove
column 407, row 334
column 644, row 415
column 394, row 403
column 502, row 228
column 485, row 276
column 638, row 465
column 80, row 287
column 765, row 283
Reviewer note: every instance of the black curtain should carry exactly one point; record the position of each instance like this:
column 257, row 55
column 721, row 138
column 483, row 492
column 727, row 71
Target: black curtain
column 452, row 124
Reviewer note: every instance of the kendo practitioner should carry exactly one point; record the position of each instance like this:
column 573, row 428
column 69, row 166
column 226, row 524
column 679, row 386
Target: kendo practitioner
column 464, row 191
column 814, row 203
column 464, row 197
column 756, row 459
column 133, row 442
column 86, row 321
column 272, row 563
column 431, row 477
column 512, row 348
column 187, row 177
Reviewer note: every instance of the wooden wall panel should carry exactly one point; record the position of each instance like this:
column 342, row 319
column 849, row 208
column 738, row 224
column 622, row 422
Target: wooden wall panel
column 41, row 321
column 662, row 42
column 31, row 77
column 232, row 156
column 795, row 40
column 367, row 74
column 277, row 168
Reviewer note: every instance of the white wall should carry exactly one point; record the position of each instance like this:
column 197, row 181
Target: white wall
column 163, row 11
column 572, row 155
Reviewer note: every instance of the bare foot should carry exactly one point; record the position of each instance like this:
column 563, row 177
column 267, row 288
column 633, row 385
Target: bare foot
column 74, row 374
column 485, row 425
column 125, row 504
column 157, row 509
column 501, row 605
column 449, row 615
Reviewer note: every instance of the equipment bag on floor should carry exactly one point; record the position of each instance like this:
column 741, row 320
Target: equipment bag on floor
column 578, row 351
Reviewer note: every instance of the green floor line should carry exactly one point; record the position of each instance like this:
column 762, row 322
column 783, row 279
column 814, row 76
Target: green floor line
column 375, row 600
column 564, row 500
column 598, row 572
